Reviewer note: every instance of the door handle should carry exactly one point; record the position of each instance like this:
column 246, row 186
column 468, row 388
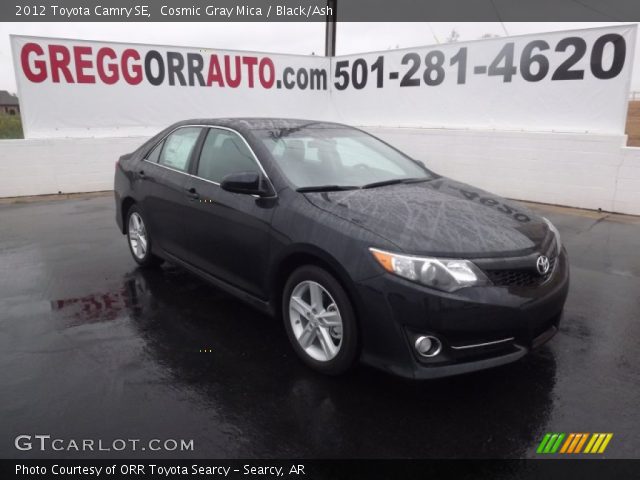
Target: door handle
column 141, row 173
column 193, row 193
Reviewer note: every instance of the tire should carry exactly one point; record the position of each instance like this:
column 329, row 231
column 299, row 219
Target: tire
column 139, row 240
column 312, row 332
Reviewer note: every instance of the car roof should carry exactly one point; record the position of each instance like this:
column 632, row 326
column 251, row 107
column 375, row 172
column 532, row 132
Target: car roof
column 244, row 125
column 259, row 123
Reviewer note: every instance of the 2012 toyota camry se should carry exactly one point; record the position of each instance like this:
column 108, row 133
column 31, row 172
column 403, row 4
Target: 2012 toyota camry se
column 364, row 252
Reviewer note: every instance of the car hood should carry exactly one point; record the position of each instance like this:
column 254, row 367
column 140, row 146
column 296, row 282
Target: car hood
column 439, row 217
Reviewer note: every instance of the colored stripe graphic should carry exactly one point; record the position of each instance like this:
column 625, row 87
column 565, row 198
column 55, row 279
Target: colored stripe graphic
column 550, row 443
column 543, row 443
column 573, row 443
column 576, row 441
column 598, row 443
column 556, row 445
column 584, row 439
column 594, row 437
column 567, row 442
column 605, row 443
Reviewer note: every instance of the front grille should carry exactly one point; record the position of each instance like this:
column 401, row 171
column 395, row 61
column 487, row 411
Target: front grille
column 524, row 277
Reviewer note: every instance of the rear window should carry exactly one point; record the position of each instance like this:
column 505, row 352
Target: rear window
column 154, row 155
column 178, row 147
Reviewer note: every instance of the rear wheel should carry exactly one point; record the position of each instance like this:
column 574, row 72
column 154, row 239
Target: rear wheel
column 139, row 239
column 320, row 320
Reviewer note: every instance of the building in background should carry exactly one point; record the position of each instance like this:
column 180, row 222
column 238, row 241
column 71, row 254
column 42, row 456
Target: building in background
column 9, row 104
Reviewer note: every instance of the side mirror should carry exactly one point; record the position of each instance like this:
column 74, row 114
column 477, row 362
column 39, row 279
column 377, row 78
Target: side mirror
column 250, row 183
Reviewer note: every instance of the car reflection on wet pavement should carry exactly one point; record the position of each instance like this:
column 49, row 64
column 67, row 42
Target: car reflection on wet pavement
column 93, row 347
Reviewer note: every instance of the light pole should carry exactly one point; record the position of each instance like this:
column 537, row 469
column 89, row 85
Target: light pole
column 330, row 30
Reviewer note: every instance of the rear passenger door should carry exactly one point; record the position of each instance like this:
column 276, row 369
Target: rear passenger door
column 164, row 174
column 228, row 232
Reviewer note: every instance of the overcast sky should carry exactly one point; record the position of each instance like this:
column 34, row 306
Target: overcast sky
column 300, row 38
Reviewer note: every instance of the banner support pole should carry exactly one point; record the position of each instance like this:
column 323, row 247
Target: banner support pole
column 330, row 30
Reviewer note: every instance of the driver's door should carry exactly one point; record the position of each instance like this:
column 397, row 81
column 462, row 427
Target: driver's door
column 228, row 232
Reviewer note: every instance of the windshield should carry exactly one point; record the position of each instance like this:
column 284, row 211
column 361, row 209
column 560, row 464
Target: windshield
column 336, row 157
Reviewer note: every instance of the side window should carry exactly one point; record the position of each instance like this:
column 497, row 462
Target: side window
column 155, row 153
column 224, row 152
column 178, row 147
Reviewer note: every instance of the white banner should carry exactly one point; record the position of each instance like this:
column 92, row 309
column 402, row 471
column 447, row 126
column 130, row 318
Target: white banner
column 574, row 81
column 77, row 88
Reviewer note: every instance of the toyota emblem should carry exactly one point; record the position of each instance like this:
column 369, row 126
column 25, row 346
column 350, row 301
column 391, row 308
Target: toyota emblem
column 542, row 264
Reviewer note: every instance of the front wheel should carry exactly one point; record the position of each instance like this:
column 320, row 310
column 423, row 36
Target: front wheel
column 319, row 320
column 139, row 239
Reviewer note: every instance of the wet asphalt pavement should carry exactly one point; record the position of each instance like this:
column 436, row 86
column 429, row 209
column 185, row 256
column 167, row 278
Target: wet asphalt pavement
column 91, row 347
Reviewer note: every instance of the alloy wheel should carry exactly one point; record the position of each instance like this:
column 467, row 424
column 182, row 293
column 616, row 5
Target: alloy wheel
column 137, row 236
column 315, row 320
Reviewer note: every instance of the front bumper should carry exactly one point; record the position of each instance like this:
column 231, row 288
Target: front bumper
column 479, row 327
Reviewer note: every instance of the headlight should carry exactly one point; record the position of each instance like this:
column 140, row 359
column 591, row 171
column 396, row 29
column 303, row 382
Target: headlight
column 441, row 273
column 555, row 232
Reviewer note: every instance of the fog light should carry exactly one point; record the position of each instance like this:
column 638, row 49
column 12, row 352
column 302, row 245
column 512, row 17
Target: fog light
column 428, row 346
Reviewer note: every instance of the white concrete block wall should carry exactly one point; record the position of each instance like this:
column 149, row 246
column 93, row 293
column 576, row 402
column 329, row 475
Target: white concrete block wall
column 627, row 193
column 67, row 165
column 578, row 170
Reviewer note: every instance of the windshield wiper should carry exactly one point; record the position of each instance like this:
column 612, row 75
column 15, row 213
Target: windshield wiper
column 327, row 188
column 395, row 181
column 336, row 188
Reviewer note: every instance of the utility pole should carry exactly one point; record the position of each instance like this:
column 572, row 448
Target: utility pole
column 330, row 30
